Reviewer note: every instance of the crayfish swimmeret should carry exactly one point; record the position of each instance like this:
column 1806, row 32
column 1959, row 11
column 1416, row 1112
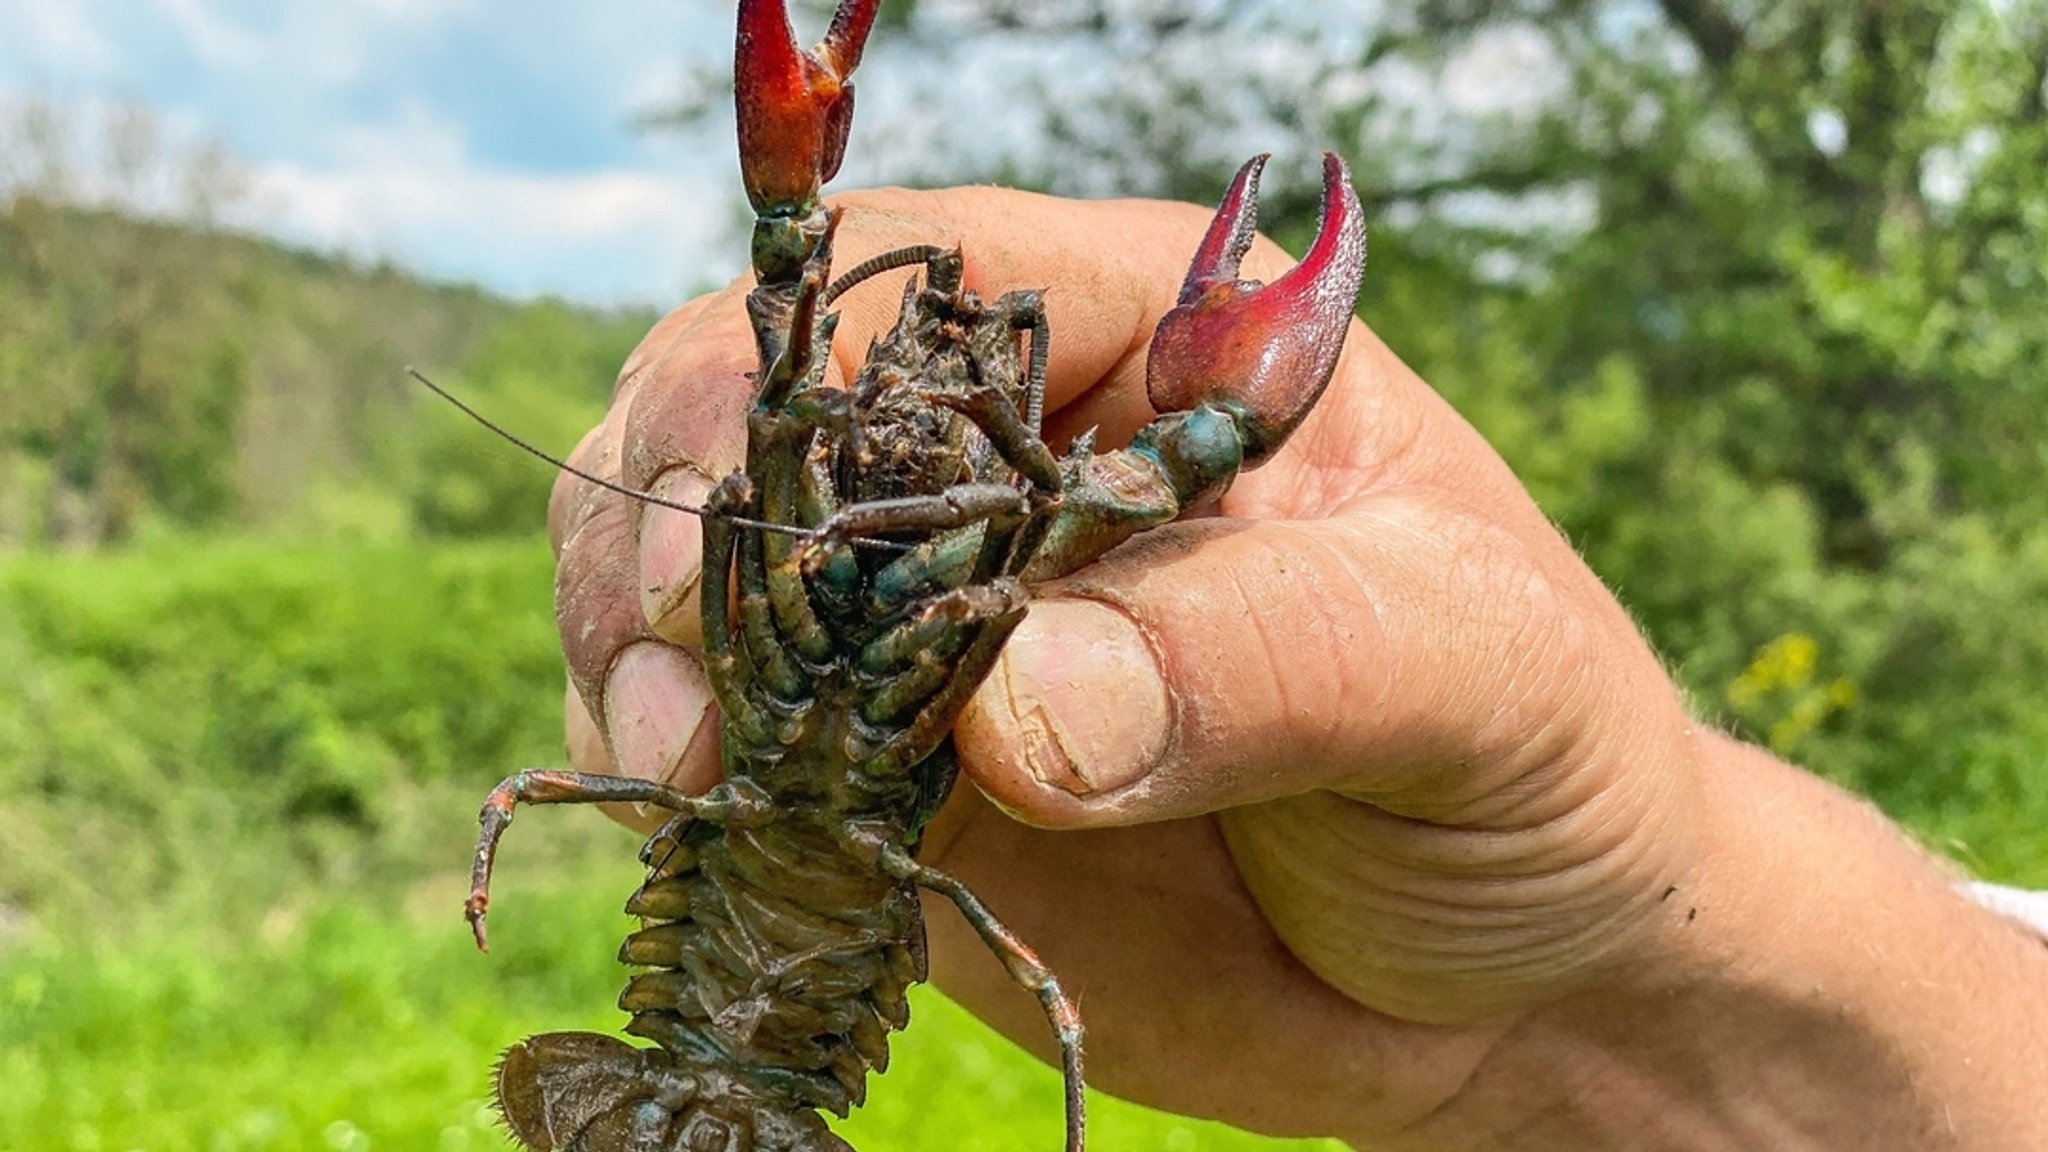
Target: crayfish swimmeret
column 860, row 577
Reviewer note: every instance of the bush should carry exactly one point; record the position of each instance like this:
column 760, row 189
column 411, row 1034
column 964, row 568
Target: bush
column 195, row 709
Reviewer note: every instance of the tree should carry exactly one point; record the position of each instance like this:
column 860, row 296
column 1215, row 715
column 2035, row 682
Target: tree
column 1817, row 245
column 120, row 383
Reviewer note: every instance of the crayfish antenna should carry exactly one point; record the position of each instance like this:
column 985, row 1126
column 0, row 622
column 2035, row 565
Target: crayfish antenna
column 795, row 106
column 561, row 465
column 1265, row 351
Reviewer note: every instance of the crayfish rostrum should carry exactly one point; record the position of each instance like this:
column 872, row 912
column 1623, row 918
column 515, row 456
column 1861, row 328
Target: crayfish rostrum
column 860, row 576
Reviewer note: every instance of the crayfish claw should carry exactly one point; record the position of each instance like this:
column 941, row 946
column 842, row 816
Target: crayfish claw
column 795, row 106
column 1264, row 351
column 1230, row 233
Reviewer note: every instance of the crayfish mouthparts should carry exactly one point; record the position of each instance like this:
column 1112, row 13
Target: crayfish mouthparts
column 861, row 574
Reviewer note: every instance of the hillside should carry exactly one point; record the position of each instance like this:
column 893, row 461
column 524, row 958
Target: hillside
column 174, row 374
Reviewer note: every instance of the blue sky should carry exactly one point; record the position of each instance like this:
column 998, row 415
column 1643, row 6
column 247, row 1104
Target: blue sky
column 473, row 139
column 492, row 140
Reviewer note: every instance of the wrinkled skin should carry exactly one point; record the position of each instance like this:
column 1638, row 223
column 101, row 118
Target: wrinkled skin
column 1232, row 867
column 1357, row 809
column 1361, row 808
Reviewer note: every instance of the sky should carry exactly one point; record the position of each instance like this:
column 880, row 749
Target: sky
column 485, row 140
column 494, row 140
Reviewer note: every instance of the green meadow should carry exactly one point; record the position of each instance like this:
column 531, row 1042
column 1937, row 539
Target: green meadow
column 238, row 783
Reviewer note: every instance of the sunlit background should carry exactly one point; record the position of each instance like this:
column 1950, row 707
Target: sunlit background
column 532, row 146
column 1749, row 296
column 480, row 141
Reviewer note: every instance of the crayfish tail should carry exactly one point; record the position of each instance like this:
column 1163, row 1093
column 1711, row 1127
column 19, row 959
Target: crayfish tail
column 583, row 1092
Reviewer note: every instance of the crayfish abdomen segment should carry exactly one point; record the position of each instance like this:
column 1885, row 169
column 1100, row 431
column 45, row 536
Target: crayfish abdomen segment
column 776, row 962
column 775, row 951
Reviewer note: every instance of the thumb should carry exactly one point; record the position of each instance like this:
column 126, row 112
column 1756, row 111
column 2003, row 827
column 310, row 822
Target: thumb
column 1222, row 662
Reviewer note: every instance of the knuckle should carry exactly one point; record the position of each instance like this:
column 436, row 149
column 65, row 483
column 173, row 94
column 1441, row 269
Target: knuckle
column 658, row 341
column 572, row 499
column 597, row 609
column 689, row 407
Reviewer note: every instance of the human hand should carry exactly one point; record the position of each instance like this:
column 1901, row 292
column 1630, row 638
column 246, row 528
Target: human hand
column 1328, row 802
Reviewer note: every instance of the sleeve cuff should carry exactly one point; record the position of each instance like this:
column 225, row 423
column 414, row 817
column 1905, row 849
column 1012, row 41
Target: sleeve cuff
column 2029, row 908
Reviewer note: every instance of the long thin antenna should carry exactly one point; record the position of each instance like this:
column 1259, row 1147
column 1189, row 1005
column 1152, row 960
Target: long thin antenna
column 610, row 486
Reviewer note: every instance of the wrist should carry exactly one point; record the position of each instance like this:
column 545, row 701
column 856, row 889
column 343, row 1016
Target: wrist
column 1815, row 981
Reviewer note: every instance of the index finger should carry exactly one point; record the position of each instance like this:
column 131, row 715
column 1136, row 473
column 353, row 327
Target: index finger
column 1108, row 270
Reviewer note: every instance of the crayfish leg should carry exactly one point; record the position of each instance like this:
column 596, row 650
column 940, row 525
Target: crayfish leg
column 550, row 787
column 1024, row 966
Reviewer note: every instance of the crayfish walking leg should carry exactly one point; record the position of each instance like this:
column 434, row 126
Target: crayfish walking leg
column 721, row 804
column 1024, row 967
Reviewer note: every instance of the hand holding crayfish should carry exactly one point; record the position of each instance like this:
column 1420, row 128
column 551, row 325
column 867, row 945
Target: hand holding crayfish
column 1357, row 808
column 862, row 561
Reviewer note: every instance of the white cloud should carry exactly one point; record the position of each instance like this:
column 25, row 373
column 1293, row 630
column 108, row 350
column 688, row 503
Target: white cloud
column 419, row 11
column 212, row 36
column 62, row 38
column 412, row 195
column 303, row 90
column 1505, row 70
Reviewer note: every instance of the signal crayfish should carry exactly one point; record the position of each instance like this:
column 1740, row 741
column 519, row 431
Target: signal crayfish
column 860, row 576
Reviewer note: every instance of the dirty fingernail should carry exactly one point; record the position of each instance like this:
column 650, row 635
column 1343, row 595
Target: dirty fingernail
column 654, row 703
column 671, row 557
column 1086, row 698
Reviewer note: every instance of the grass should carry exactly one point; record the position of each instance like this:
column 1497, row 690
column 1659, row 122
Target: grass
column 339, row 1025
column 235, row 779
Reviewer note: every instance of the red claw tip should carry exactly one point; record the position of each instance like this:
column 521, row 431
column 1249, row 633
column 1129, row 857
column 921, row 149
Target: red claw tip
column 1269, row 350
column 1230, row 233
column 795, row 106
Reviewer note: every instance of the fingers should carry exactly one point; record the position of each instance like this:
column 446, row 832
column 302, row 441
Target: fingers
column 685, row 427
column 1407, row 650
column 628, row 573
column 634, row 702
column 574, row 499
column 651, row 698
column 695, row 771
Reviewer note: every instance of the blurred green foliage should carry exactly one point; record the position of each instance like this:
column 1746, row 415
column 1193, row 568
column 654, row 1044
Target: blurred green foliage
column 547, row 370
column 163, row 372
column 160, row 702
column 238, row 785
column 342, row 1025
column 1787, row 389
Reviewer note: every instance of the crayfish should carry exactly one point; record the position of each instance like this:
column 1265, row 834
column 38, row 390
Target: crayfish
column 860, row 576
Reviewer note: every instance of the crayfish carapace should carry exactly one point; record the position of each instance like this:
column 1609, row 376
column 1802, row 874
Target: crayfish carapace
column 860, row 577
